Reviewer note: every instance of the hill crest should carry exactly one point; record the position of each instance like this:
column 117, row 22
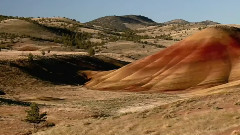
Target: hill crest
column 119, row 22
column 183, row 22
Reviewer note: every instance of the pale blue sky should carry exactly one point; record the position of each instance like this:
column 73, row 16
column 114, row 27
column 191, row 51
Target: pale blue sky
column 223, row 11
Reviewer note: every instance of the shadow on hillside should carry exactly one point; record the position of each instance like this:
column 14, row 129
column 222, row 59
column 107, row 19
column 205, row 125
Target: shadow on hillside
column 4, row 101
column 66, row 69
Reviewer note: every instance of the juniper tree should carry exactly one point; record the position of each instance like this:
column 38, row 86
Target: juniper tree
column 34, row 115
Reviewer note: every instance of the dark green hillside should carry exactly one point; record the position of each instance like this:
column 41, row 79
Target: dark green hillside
column 118, row 22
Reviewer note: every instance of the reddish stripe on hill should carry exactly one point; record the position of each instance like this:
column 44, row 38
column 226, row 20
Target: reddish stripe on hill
column 207, row 58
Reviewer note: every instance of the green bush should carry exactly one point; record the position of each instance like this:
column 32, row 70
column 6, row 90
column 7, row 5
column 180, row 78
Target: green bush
column 91, row 51
column 165, row 37
column 33, row 115
column 30, row 57
column 43, row 52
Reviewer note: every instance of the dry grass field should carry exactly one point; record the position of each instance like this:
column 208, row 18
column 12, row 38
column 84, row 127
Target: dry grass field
column 16, row 26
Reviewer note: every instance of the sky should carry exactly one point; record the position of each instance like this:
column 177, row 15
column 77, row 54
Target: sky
column 223, row 11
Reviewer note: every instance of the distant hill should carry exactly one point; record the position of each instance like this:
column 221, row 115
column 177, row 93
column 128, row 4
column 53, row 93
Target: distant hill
column 176, row 21
column 62, row 22
column 208, row 22
column 42, row 28
column 56, row 30
column 122, row 23
column 182, row 22
column 22, row 27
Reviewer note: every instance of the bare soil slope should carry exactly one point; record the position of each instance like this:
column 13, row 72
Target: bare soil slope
column 205, row 59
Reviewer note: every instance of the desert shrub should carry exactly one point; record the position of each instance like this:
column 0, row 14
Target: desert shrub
column 12, row 41
column 30, row 57
column 176, row 39
column 49, row 124
column 91, row 51
column 130, row 36
column 100, row 114
column 113, row 38
column 160, row 46
column 34, row 115
column 237, row 103
column 2, row 93
column 43, row 52
column 165, row 37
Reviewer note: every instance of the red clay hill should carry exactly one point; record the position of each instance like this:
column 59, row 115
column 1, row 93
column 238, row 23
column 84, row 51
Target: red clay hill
column 207, row 58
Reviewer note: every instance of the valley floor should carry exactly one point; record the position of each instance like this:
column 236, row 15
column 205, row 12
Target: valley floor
column 76, row 110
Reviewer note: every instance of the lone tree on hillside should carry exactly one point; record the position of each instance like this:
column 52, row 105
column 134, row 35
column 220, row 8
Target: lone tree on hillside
column 33, row 115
